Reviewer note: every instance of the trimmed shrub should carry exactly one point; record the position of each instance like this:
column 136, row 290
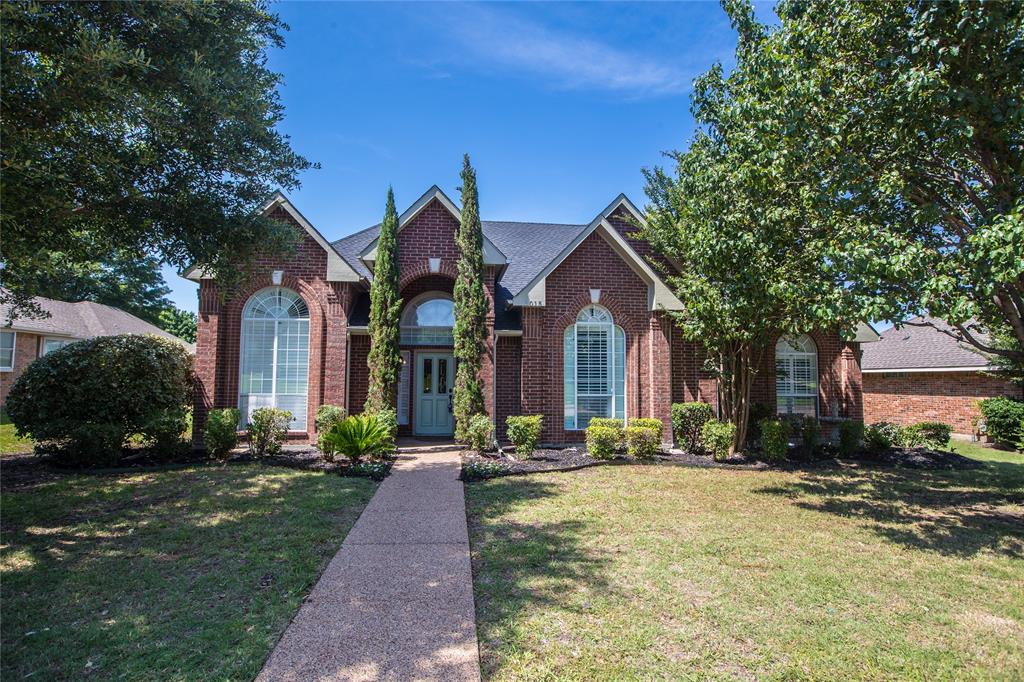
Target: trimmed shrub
column 717, row 437
column 603, row 441
column 810, row 437
column 851, row 434
column 359, row 436
column 268, row 427
column 610, row 422
column 882, row 436
column 928, row 434
column 646, row 423
column 221, row 435
column 774, row 438
column 87, row 398
column 480, row 432
column 326, row 417
column 642, row 441
column 388, row 419
column 164, row 433
column 524, row 432
column 1004, row 419
column 687, row 421
column 758, row 413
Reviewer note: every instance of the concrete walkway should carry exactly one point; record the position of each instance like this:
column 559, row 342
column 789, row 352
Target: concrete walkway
column 396, row 601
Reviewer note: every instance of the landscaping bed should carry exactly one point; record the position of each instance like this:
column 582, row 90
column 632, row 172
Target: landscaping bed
column 475, row 467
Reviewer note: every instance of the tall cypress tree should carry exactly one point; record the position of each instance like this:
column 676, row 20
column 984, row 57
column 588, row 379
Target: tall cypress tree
column 470, row 306
column 384, row 359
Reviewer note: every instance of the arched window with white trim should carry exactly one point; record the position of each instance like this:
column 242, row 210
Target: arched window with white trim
column 428, row 320
column 275, row 354
column 594, row 368
column 796, row 376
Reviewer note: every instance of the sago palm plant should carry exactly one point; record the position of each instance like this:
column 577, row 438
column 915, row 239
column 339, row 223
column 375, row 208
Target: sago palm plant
column 359, row 436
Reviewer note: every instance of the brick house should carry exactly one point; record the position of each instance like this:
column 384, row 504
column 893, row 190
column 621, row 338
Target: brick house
column 24, row 339
column 577, row 328
column 918, row 374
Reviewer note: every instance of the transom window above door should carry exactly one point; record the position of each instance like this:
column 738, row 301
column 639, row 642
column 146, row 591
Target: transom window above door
column 428, row 320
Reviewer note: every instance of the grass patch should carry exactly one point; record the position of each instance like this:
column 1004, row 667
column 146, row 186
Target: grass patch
column 10, row 444
column 636, row 572
column 189, row 574
column 985, row 454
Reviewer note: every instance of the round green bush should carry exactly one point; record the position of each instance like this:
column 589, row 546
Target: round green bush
column 603, row 441
column 89, row 397
column 642, row 441
column 851, row 434
column 1004, row 419
column 687, row 421
column 717, row 438
column 480, row 432
column 221, row 435
column 524, row 432
column 775, row 435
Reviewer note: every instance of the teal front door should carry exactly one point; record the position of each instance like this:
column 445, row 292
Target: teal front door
column 435, row 378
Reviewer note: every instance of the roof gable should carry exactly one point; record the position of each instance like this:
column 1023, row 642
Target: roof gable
column 916, row 347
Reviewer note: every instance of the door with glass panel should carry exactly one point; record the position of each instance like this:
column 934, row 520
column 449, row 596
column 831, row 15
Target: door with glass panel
column 435, row 379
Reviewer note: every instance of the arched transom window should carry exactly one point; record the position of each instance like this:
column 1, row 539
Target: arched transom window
column 796, row 376
column 594, row 368
column 428, row 320
column 275, row 354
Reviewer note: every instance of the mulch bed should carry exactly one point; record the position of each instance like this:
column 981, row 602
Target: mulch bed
column 564, row 459
column 925, row 458
column 681, row 458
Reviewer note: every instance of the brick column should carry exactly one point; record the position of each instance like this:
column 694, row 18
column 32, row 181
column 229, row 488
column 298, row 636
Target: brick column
column 338, row 302
column 660, row 368
column 535, row 382
column 205, row 363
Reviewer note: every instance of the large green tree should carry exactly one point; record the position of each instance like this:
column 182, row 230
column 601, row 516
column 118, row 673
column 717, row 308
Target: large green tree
column 904, row 121
column 385, row 359
column 751, row 265
column 145, row 126
column 181, row 323
column 470, row 306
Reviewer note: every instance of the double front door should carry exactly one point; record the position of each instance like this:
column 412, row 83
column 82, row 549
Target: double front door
column 435, row 378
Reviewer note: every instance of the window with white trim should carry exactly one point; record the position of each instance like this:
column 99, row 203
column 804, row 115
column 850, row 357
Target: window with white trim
column 275, row 355
column 796, row 376
column 7, row 350
column 51, row 344
column 593, row 369
column 428, row 320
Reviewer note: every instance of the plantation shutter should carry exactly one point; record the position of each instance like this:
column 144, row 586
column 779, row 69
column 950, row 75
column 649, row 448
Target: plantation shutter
column 404, row 377
column 569, row 377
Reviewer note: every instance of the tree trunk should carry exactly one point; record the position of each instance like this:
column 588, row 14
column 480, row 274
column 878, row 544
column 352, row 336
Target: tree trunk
column 738, row 366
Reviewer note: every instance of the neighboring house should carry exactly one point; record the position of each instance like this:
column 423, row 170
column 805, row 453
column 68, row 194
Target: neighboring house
column 26, row 338
column 577, row 328
column 921, row 374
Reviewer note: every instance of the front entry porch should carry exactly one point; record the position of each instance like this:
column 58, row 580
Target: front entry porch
column 432, row 403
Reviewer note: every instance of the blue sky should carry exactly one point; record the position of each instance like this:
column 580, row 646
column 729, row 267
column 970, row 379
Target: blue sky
column 559, row 105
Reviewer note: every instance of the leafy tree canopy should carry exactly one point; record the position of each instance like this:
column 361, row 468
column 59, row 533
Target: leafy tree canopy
column 181, row 323
column 149, row 127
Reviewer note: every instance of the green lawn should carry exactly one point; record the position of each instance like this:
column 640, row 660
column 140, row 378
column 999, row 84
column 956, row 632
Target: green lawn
column 655, row 572
column 10, row 444
column 184, row 575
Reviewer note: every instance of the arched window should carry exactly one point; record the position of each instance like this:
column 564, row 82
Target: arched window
column 428, row 320
column 594, row 368
column 275, row 354
column 796, row 376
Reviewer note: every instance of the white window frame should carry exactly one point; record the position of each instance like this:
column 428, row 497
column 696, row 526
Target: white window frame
column 592, row 317
column 296, row 424
column 415, row 335
column 14, row 349
column 788, row 350
column 63, row 340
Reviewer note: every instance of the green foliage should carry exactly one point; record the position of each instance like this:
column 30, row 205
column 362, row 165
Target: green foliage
column 758, row 413
column 881, row 436
column 929, row 434
column 180, row 323
column 717, row 438
column 167, row 141
column 470, row 332
column 809, row 431
column 642, row 442
column 524, row 432
column 164, row 432
column 326, row 417
column 268, row 427
column 647, row 423
column 1004, row 419
column 480, row 433
column 360, row 436
column 851, row 435
column 221, row 435
column 603, row 441
column 385, row 358
column 480, row 470
column 610, row 422
column 388, row 418
column 775, row 438
column 687, row 421
column 90, row 396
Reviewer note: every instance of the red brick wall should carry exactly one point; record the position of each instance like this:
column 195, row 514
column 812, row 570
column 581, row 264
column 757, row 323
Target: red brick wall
column 220, row 323
column 948, row 397
column 510, row 350
column 26, row 349
column 359, row 372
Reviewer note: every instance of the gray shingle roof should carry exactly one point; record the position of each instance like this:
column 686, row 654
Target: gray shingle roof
column 913, row 347
column 83, row 320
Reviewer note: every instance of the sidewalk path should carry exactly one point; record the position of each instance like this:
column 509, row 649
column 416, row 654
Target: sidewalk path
column 396, row 601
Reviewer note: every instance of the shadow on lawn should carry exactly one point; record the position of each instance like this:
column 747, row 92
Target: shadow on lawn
column 956, row 513
column 520, row 565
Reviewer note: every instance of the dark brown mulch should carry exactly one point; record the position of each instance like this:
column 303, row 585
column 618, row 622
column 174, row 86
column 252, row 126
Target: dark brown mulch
column 563, row 459
column 925, row 458
column 680, row 458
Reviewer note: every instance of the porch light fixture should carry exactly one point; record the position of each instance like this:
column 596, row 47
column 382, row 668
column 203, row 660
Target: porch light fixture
column 435, row 264
column 275, row 277
column 595, row 295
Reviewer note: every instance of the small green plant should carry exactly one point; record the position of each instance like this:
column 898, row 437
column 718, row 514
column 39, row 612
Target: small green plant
column 268, row 427
column 388, row 418
column 758, row 413
column 376, row 470
column 359, row 436
column 881, row 436
column 603, row 441
column 221, row 434
column 327, row 416
column 928, row 434
column 480, row 470
column 642, row 441
column 647, row 423
column 1004, row 420
column 687, row 421
column 775, row 435
column 524, row 432
column 851, row 435
column 480, row 432
column 717, row 437
column 810, row 437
